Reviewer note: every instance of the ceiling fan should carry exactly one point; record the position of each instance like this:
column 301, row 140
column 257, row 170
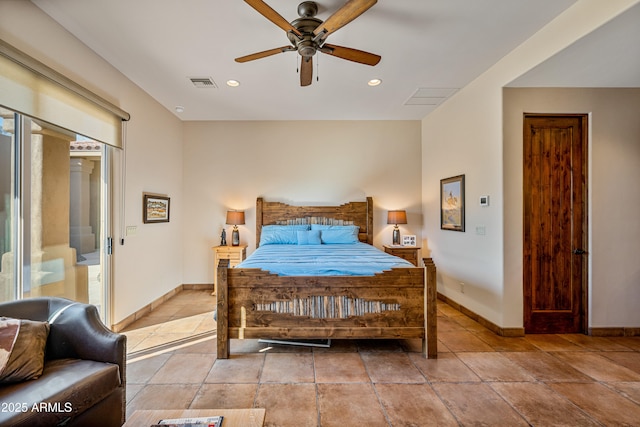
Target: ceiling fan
column 308, row 34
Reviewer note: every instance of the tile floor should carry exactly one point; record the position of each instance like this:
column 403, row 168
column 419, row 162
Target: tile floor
column 478, row 379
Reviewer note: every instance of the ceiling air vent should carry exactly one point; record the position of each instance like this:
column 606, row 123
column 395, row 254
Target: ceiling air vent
column 430, row 96
column 203, row 82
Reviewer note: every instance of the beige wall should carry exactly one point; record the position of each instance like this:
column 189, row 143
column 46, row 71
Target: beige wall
column 229, row 164
column 467, row 131
column 614, row 171
column 150, row 263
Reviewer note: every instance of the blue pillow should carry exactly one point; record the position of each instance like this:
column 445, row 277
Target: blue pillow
column 280, row 234
column 309, row 237
column 339, row 235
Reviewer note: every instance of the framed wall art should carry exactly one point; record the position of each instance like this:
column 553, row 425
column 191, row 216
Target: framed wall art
column 155, row 208
column 409, row 240
column 452, row 203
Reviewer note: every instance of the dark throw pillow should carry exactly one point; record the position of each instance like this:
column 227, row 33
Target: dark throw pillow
column 22, row 346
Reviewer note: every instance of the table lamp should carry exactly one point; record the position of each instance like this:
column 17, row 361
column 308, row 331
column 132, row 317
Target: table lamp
column 235, row 218
column 395, row 218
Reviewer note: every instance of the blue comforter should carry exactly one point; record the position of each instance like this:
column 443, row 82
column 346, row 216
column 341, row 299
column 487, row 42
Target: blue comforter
column 357, row 259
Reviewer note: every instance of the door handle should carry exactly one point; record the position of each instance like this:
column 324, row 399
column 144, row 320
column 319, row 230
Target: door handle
column 578, row 251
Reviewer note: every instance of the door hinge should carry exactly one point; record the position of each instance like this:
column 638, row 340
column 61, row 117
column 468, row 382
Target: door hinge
column 109, row 245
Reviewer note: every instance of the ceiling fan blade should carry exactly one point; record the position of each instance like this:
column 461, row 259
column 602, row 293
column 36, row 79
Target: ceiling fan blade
column 273, row 16
column 347, row 13
column 306, row 71
column 265, row 53
column 349, row 54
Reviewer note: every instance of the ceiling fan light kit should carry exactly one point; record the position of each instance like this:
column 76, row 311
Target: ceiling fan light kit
column 308, row 34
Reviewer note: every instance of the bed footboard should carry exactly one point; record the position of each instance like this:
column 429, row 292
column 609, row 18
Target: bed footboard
column 400, row 303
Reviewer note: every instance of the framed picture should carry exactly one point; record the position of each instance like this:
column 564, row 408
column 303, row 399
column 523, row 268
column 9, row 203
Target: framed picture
column 155, row 208
column 452, row 203
column 408, row 240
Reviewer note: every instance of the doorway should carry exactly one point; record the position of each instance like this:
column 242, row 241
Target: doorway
column 555, row 223
column 54, row 213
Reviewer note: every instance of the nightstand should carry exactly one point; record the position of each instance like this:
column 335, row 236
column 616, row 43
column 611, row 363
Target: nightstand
column 410, row 253
column 235, row 255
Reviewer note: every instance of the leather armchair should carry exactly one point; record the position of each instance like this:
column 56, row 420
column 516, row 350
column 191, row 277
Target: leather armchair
column 81, row 352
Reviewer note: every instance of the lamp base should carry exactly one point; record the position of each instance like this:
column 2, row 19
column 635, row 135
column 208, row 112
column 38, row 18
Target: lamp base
column 235, row 237
column 396, row 236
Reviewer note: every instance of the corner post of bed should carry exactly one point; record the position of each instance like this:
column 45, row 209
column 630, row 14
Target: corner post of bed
column 370, row 220
column 259, row 205
column 223, row 310
column 430, row 343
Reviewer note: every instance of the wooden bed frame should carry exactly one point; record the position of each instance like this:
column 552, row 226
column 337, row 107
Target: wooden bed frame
column 397, row 304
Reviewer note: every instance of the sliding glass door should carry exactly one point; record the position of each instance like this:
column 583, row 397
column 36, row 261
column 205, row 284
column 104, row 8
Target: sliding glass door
column 8, row 207
column 54, row 213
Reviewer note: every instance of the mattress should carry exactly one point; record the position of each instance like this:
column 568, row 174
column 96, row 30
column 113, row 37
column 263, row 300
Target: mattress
column 355, row 259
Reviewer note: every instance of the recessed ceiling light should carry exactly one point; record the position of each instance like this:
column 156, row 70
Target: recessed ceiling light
column 233, row 83
column 374, row 82
column 179, row 109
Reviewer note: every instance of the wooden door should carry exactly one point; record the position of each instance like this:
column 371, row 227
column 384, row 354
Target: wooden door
column 555, row 223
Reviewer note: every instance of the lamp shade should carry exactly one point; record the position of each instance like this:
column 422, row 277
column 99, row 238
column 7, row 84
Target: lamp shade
column 397, row 217
column 235, row 217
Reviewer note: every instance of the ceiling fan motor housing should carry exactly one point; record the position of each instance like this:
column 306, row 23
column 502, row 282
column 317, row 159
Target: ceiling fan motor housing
column 305, row 46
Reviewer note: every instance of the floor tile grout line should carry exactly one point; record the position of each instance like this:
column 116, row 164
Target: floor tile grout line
column 384, row 409
column 609, row 386
column 317, row 391
column 444, row 403
column 318, row 409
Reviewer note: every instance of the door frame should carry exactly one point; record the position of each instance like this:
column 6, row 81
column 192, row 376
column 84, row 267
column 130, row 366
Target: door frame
column 586, row 138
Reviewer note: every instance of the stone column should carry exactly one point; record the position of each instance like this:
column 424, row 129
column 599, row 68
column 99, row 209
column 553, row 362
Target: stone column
column 82, row 237
column 53, row 260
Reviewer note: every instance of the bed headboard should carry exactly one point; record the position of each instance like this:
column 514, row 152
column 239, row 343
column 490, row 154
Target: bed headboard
column 356, row 213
